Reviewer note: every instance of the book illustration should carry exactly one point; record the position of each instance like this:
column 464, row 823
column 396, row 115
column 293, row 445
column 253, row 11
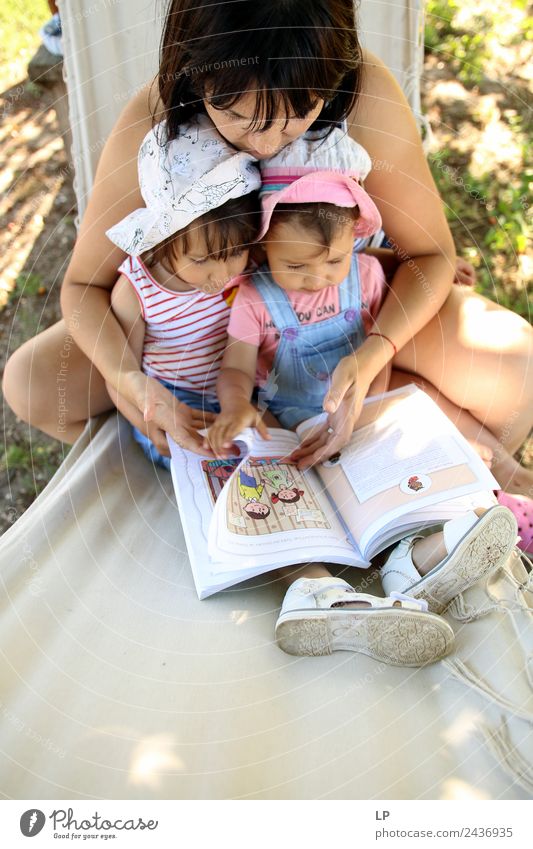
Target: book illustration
column 250, row 492
column 282, row 483
column 217, row 473
column 238, row 521
column 278, row 477
column 265, row 492
column 304, row 515
column 415, row 483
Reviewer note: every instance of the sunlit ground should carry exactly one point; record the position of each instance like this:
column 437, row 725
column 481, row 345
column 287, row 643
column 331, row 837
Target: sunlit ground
column 26, row 203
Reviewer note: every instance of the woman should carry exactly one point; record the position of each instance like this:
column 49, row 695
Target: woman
column 266, row 73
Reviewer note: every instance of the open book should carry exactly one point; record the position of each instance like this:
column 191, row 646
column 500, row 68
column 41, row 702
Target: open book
column 406, row 467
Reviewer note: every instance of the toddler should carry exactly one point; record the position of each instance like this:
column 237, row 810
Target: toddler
column 300, row 317
column 186, row 249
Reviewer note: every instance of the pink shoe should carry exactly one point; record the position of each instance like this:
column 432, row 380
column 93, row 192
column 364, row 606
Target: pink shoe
column 522, row 507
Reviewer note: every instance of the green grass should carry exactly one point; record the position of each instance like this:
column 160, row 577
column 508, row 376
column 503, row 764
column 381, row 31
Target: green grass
column 26, row 284
column 31, row 463
column 19, row 27
column 466, row 48
column 16, row 456
column 493, row 215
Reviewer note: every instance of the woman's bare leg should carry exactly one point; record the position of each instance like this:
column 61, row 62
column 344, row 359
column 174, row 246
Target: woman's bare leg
column 480, row 357
column 49, row 383
column 289, row 574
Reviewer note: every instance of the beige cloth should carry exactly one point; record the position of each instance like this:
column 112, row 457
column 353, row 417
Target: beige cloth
column 118, row 683
column 111, row 50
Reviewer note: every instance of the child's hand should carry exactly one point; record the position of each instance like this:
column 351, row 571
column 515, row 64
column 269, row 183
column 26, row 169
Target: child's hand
column 228, row 424
column 465, row 273
column 343, row 403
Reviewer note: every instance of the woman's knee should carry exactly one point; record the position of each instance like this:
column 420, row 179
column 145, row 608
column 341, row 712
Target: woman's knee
column 17, row 383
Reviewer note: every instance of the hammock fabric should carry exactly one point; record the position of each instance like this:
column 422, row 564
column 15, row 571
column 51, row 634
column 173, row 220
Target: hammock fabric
column 118, row 683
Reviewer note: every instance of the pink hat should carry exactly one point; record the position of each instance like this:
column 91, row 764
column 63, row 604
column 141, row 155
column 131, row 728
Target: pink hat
column 315, row 170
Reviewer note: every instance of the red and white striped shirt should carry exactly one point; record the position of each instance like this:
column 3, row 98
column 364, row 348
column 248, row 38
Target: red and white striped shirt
column 186, row 332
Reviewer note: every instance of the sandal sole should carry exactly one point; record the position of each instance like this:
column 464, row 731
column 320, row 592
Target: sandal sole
column 401, row 638
column 492, row 545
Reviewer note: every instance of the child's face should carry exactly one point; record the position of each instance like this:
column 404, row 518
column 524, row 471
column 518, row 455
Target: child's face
column 297, row 261
column 201, row 271
column 256, row 510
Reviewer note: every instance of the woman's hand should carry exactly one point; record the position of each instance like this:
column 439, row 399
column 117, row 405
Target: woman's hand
column 465, row 273
column 162, row 413
column 229, row 423
column 343, row 403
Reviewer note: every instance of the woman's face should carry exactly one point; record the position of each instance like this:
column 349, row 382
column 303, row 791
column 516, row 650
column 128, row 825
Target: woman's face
column 235, row 125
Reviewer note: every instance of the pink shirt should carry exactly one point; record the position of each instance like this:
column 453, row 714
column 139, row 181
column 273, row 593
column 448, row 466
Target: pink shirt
column 250, row 320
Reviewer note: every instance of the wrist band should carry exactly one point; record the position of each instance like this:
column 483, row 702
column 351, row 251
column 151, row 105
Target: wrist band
column 384, row 337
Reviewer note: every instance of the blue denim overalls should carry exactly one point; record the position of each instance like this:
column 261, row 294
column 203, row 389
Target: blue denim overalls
column 307, row 354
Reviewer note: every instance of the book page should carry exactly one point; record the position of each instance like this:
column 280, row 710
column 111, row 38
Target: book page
column 381, row 457
column 405, row 454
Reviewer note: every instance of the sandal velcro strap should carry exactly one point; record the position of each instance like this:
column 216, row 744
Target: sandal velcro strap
column 408, row 602
column 399, row 572
column 334, row 595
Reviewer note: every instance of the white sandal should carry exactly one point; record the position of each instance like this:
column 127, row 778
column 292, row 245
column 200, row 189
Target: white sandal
column 396, row 630
column 476, row 546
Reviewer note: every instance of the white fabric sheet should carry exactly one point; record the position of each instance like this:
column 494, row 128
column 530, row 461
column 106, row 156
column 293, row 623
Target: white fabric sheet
column 118, row 683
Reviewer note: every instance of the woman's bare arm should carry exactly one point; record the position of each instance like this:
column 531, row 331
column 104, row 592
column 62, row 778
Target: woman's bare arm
column 413, row 217
column 85, row 295
column 127, row 310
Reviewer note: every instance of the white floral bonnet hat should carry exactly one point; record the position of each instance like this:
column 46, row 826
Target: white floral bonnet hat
column 180, row 180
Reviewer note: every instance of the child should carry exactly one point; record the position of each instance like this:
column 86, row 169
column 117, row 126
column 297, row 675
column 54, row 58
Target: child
column 187, row 248
column 302, row 313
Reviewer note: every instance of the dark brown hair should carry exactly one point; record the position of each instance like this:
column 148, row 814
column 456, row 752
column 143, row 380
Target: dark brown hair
column 292, row 52
column 263, row 516
column 229, row 227
column 325, row 220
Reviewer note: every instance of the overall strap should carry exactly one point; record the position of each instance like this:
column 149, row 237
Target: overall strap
column 276, row 300
column 350, row 288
